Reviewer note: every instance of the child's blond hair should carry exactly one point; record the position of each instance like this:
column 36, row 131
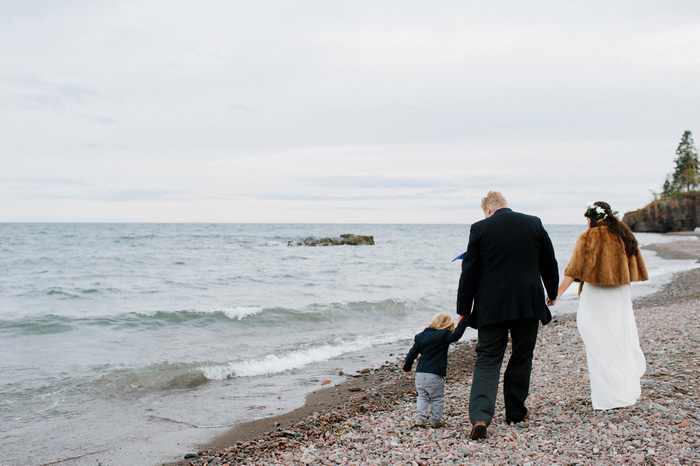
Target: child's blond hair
column 441, row 321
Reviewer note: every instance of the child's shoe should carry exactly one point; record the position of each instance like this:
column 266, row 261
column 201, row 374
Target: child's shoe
column 420, row 422
column 435, row 423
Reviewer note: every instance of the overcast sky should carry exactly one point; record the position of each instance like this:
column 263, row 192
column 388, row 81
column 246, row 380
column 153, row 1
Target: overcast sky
column 340, row 111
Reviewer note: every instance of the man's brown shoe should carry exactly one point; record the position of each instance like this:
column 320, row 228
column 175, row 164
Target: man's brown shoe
column 478, row 430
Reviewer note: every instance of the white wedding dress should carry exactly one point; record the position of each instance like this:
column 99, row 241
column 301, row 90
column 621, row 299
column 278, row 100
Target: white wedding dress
column 615, row 361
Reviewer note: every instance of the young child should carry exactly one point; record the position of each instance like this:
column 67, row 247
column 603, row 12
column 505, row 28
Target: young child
column 432, row 345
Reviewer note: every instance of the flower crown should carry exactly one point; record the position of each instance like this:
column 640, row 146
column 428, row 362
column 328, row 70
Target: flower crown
column 597, row 212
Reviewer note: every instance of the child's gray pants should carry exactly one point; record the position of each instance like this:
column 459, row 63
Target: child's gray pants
column 431, row 392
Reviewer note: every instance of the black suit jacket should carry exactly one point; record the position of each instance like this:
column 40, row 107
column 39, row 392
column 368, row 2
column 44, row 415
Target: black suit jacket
column 508, row 258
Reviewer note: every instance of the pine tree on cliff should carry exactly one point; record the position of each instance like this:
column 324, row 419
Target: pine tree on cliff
column 667, row 187
column 687, row 166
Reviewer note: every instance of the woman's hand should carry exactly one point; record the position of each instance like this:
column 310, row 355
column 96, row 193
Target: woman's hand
column 550, row 302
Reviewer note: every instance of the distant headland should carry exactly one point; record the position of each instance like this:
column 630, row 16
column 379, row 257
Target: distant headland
column 677, row 213
column 677, row 207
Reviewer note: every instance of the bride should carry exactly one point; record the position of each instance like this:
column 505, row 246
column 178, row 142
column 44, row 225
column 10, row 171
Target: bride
column 605, row 260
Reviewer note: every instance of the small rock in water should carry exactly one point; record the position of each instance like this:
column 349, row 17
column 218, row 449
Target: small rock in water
column 326, row 382
column 191, row 455
column 350, row 239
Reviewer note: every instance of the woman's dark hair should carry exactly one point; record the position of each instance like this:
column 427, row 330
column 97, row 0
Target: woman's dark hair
column 610, row 220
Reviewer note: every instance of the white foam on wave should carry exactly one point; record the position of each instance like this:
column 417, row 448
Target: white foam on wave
column 238, row 312
column 277, row 363
column 241, row 311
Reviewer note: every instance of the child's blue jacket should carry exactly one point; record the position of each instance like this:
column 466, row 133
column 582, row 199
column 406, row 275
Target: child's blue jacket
column 432, row 345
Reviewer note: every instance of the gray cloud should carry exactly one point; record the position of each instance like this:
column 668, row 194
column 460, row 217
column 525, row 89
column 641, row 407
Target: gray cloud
column 46, row 181
column 37, row 92
column 445, row 184
column 239, row 106
column 372, row 182
column 138, row 195
column 336, row 197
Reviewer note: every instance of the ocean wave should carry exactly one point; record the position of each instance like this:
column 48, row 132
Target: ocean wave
column 108, row 381
column 51, row 323
column 189, row 375
column 165, row 376
column 156, row 377
column 246, row 315
column 329, row 311
column 41, row 325
column 295, row 359
column 238, row 312
column 74, row 293
column 61, row 293
column 134, row 237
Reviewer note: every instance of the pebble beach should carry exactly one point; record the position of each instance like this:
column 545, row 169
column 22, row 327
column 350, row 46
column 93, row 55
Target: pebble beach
column 368, row 420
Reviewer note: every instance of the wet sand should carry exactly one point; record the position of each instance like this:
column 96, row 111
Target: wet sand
column 368, row 418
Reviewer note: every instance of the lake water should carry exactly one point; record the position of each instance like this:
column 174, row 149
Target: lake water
column 131, row 343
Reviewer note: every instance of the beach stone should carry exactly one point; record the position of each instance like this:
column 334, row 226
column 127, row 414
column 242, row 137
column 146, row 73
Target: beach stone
column 374, row 427
column 659, row 407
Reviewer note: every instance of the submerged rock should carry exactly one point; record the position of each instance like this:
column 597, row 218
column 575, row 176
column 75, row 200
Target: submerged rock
column 353, row 240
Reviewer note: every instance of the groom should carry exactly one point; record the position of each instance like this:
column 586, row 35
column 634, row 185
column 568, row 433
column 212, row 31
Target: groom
column 508, row 258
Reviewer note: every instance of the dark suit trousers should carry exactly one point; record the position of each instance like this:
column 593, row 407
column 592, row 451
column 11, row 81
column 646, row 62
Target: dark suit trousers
column 490, row 348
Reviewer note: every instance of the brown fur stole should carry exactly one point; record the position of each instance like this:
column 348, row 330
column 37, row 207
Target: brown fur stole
column 599, row 257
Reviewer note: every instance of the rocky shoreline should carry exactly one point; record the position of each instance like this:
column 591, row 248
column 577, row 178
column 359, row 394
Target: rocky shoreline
column 678, row 213
column 367, row 420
